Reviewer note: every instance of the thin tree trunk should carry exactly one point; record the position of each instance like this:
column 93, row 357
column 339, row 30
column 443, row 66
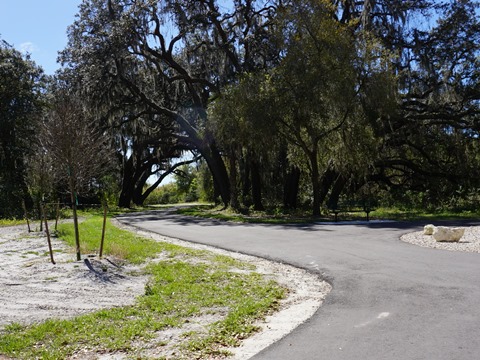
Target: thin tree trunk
column 103, row 229
column 315, row 177
column 48, row 235
column 245, row 173
column 256, row 187
column 327, row 180
column 291, row 187
column 233, row 180
column 26, row 215
column 73, row 198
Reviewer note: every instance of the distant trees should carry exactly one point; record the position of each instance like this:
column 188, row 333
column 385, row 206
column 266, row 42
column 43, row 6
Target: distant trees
column 21, row 96
column 145, row 146
column 288, row 102
column 285, row 103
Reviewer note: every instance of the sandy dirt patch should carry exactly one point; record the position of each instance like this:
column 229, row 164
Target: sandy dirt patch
column 33, row 289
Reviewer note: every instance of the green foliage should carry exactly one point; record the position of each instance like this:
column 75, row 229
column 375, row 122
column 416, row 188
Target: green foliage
column 192, row 194
column 183, row 179
column 21, row 87
column 164, row 194
column 205, row 189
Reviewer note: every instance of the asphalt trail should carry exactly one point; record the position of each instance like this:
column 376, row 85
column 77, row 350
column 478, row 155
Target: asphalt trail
column 390, row 300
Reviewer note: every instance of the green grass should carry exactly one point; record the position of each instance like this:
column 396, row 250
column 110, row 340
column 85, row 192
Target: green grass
column 417, row 214
column 264, row 217
column 119, row 243
column 189, row 284
column 299, row 217
column 12, row 222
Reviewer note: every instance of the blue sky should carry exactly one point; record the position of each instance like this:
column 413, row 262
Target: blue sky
column 38, row 26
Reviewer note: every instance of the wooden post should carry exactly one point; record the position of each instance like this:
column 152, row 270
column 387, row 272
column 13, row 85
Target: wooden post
column 48, row 235
column 75, row 225
column 103, row 229
column 57, row 214
column 39, row 208
column 26, row 214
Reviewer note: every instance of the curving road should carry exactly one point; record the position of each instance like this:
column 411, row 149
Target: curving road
column 390, row 300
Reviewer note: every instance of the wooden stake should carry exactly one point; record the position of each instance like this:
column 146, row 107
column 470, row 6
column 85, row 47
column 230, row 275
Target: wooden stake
column 40, row 215
column 57, row 214
column 48, row 235
column 26, row 214
column 103, row 229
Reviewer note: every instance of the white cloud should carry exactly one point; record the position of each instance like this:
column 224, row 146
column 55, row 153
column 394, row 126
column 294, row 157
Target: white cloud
column 28, row 48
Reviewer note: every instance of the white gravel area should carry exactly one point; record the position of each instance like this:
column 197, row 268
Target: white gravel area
column 33, row 289
column 470, row 241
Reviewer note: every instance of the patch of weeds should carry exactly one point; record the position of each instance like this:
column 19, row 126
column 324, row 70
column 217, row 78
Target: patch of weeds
column 227, row 261
column 33, row 253
column 12, row 222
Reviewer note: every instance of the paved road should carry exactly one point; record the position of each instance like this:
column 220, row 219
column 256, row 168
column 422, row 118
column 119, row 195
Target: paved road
column 390, row 300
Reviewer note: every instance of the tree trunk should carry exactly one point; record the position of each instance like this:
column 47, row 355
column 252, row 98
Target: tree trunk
column 315, row 178
column 292, row 183
column 328, row 178
column 73, row 198
column 219, row 172
column 138, row 197
column 245, row 172
column 256, row 187
column 337, row 189
column 126, row 194
column 316, row 191
column 233, row 180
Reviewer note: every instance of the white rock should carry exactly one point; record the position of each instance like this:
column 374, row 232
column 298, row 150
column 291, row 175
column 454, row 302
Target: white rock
column 428, row 229
column 443, row 233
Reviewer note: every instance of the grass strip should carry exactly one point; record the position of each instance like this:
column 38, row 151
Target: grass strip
column 12, row 222
column 186, row 286
column 276, row 217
